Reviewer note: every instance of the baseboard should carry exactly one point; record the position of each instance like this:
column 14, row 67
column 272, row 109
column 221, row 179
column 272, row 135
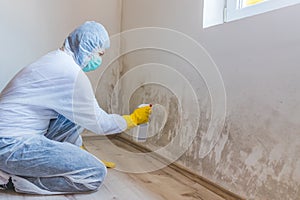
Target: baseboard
column 185, row 172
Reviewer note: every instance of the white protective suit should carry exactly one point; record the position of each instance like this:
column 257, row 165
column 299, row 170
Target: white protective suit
column 43, row 110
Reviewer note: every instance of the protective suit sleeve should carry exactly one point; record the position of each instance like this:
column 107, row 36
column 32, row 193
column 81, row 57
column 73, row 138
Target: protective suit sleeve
column 82, row 108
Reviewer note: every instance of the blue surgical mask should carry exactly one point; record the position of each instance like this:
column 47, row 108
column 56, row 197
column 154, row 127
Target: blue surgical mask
column 93, row 64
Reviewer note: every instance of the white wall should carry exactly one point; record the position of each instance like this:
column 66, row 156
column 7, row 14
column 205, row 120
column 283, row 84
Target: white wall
column 257, row 154
column 32, row 28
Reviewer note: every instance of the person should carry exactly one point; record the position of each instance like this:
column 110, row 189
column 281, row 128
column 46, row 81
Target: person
column 43, row 111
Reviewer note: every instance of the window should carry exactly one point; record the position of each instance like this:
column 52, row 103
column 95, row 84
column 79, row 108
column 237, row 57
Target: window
column 246, row 3
column 220, row 11
column 237, row 9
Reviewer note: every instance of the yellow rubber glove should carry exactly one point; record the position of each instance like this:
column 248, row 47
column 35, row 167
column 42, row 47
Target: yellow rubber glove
column 139, row 116
column 109, row 164
column 106, row 163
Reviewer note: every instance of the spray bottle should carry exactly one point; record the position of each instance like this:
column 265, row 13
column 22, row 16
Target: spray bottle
column 142, row 129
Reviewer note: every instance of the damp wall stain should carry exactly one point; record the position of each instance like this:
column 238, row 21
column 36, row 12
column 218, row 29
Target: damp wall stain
column 256, row 155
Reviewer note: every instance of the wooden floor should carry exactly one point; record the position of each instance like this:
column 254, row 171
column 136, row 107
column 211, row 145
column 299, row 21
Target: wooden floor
column 165, row 183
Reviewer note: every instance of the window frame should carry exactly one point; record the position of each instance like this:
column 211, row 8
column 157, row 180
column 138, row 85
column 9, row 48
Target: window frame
column 232, row 12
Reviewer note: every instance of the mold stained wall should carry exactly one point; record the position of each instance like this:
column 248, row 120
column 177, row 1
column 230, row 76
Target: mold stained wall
column 31, row 28
column 257, row 152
